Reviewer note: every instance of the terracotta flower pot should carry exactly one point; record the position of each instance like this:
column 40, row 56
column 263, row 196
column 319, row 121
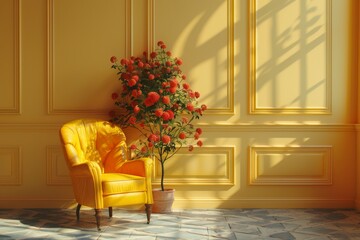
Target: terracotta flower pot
column 163, row 200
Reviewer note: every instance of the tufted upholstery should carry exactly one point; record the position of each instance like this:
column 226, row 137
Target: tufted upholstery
column 101, row 174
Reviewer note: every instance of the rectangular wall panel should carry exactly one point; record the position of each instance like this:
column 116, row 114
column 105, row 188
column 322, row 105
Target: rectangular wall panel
column 204, row 166
column 11, row 167
column 290, row 57
column 302, row 165
column 9, row 61
column 204, row 39
column 57, row 172
column 81, row 40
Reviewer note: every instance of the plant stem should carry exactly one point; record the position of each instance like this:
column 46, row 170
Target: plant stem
column 162, row 176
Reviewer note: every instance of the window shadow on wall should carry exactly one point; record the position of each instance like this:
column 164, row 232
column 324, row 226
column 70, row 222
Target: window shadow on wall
column 291, row 54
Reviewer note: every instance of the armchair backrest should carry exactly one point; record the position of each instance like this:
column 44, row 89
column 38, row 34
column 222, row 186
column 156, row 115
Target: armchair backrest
column 93, row 140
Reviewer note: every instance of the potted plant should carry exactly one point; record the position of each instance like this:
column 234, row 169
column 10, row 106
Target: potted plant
column 156, row 99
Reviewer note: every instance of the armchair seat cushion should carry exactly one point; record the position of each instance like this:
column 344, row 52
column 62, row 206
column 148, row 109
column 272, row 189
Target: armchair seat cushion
column 115, row 183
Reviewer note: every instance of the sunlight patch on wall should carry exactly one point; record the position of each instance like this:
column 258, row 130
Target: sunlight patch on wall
column 290, row 59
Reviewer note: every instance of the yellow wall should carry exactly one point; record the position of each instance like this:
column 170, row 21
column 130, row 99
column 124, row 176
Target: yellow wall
column 279, row 78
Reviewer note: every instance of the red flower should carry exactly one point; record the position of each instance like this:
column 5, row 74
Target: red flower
column 168, row 53
column 123, row 62
column 125, row 76
column 191, row 94
column 165, row 116
column 186, row 86
column 136, row 109
column 132, row 120
column 196, row 136
column 179, row 61
column 171, row 114
column 191, row 147
column 135, row 77
column 182, row 135
column 199, row 143
column 160, row 43
column 130, row 68
column 153, row 138
column 165, row 139
column 113, row 59
column 197, row 94
column 134, row 93
column 133, row 147
column 172, row 89
column 151, row 99
column 183, row 76
column 151, row 77
column 159, row 112
column 199, row 130
column 190, row 107
column 166, row 100
column 153, row 55
column 132, row 82
column 164, row 84
column 173, row 83
column 114, row 96
column 141, row 64
column 203, row 107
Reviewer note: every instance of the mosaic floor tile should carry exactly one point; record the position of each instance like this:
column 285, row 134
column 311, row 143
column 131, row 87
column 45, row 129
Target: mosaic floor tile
column 233, row 224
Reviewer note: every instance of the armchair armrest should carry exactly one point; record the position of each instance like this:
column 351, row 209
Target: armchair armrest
column 86, row 178
column 140, row 167
column 86, row 169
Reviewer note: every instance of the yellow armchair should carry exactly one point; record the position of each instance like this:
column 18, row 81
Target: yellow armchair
column 101, row 174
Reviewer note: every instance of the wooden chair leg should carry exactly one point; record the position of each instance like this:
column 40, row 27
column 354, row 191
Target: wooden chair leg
column 148, row 209
column 97, row 216
column 78, row 211
column 110, row 212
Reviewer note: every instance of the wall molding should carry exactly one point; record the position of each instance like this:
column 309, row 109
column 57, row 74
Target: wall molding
column 29, row 127
column 252, row 82
column 51, row 109
column 13, row 155
column 221, row 127
column 227, row 178
column 277, row 127
column 54, row 158
column 16, row 108
column 226, row 110
column 262, row 169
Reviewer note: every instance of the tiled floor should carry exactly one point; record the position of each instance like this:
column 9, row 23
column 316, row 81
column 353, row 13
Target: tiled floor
column 312, row 224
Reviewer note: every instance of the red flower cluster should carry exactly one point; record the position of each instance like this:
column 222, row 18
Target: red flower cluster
column 154, row 98
column 151, row 99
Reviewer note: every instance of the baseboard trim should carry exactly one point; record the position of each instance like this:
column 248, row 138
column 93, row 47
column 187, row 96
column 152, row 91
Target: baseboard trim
column 182, row 203
column 37, row 203
column 264, row 203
